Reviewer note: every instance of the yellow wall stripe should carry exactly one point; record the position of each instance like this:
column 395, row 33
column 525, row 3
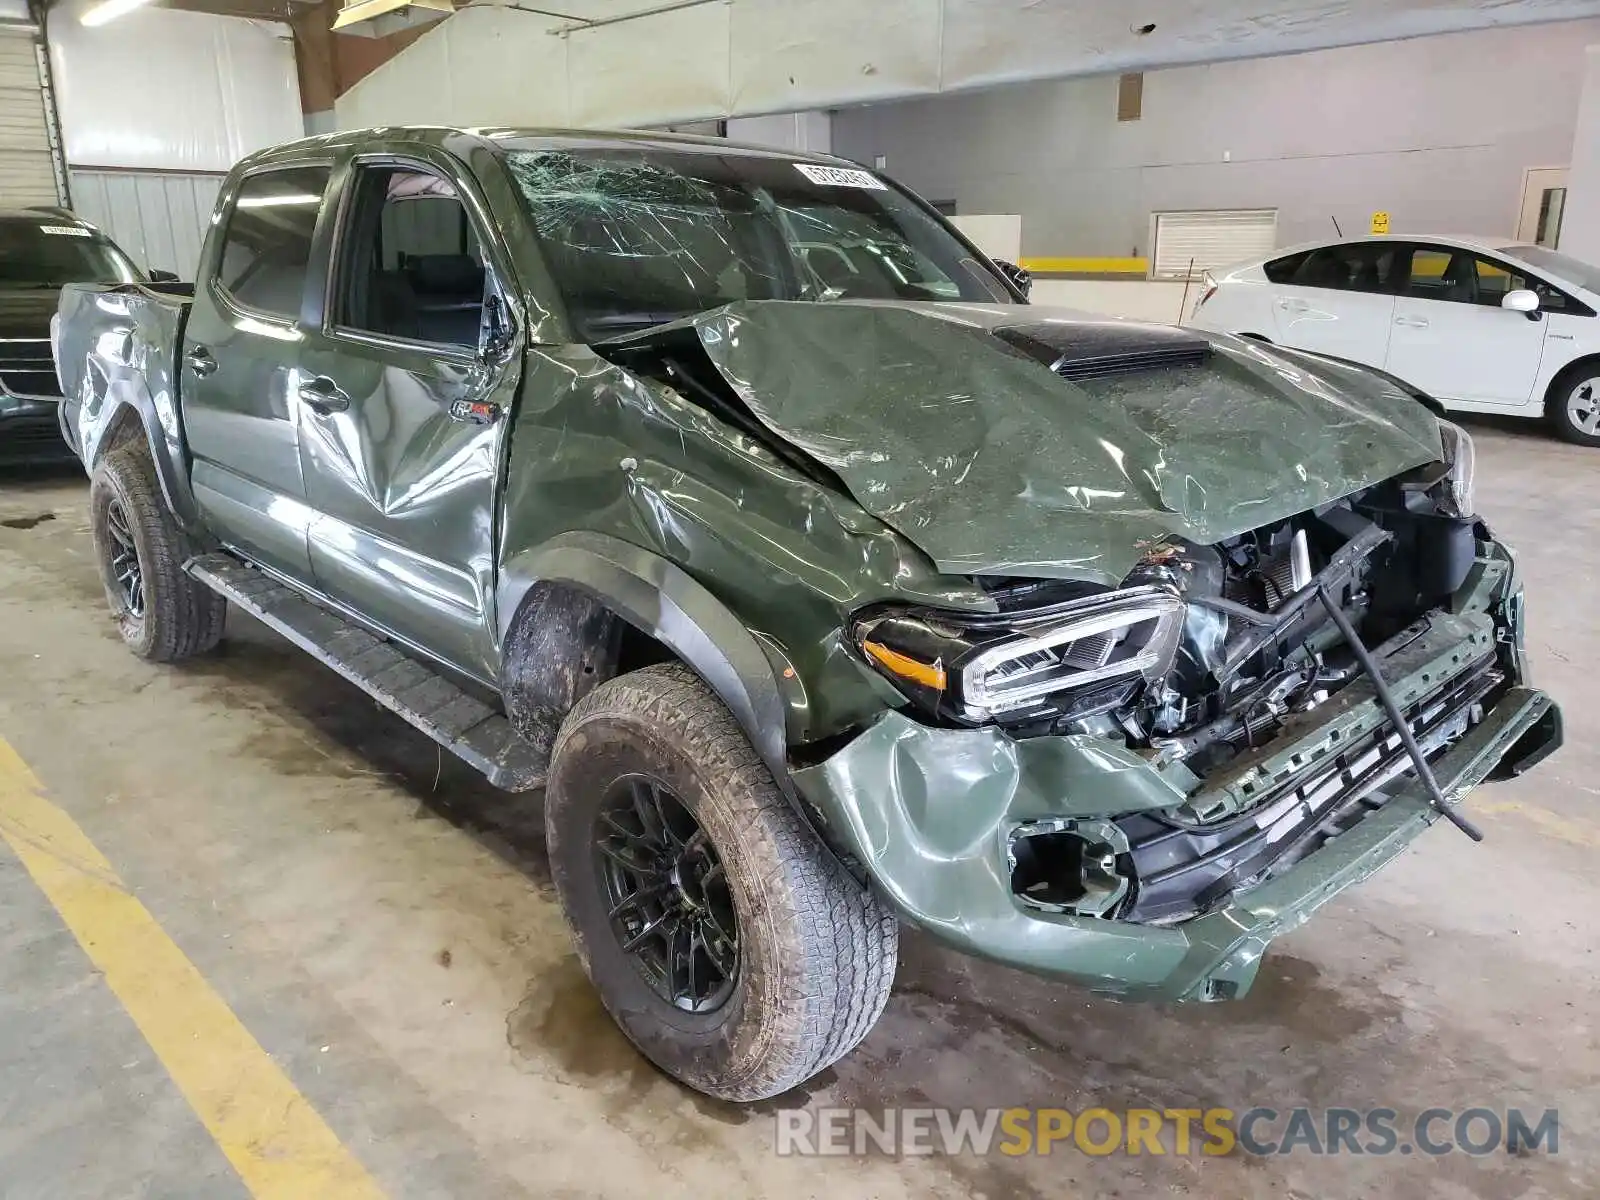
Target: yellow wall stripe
column 275, row 1140
column 1087, row 266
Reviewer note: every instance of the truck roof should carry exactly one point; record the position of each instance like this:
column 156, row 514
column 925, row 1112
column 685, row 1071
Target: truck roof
column 501, row 138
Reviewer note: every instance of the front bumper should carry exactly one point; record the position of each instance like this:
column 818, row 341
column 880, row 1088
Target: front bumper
column 930, row 813
column 30, row 431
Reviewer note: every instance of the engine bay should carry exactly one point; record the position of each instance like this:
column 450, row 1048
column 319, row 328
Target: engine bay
column 1260, row 663
column 1252, row 651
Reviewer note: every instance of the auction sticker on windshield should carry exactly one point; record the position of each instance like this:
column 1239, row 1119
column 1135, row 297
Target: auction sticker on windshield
column 66, row 230
column 840, row 177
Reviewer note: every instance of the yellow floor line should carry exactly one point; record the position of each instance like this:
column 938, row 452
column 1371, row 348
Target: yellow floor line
column 275, row 1140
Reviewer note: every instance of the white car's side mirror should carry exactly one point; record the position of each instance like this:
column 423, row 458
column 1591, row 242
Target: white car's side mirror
column 1522, row 300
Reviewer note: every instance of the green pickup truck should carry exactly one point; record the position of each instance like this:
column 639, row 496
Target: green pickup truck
column 736, row 501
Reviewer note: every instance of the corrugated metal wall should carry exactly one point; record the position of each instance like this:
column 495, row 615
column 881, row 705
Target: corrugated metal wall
column 160, row 220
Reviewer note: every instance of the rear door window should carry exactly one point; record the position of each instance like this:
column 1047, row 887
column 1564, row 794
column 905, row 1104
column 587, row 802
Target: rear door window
column 1281, row 270
column 267, row 243
column 1359, row 267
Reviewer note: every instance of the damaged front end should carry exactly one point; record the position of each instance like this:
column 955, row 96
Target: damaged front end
column 1170, row 625
column 1138, row 787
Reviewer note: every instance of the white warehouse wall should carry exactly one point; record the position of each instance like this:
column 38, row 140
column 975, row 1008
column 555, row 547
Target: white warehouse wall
column 811, row 131
column 1580, row 224
column 529, row 65
column 1436, row 131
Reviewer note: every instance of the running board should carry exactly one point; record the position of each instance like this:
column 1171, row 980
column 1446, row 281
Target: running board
column 470, row 729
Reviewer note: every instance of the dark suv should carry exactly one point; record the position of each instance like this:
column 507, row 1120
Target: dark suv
column 41, row 249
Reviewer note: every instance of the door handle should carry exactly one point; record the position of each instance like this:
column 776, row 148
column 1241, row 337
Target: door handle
column 200, row 361
column 1293, row 305
column 323, row 396
column 1412, row 322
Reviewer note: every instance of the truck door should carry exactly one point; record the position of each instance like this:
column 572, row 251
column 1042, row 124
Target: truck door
column 240, row 351
column 405, row 388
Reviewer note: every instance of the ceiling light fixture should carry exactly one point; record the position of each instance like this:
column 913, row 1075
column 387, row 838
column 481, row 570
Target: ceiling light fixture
column 278, row 200
column 109, row 10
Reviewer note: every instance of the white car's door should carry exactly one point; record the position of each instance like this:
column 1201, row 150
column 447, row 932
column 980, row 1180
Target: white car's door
column 1452, row 339
column 1337, row 300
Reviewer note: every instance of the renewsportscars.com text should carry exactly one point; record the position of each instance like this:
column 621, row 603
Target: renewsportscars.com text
column 1259, row 1131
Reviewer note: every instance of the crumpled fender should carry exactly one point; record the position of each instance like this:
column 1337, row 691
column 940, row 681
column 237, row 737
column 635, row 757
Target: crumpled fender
column 662, row 600
column 116, row 355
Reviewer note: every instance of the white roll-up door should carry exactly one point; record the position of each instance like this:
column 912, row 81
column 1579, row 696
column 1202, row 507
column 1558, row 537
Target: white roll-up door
column 1187, row 243
column 27, row 155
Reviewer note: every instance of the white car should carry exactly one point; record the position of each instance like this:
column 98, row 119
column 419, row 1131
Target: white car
column 1482, row 326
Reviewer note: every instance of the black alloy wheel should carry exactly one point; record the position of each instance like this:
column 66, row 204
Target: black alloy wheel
column 667, row 895
column 125, row 569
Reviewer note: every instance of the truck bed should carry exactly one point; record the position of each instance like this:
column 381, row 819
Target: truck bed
column 117, row 344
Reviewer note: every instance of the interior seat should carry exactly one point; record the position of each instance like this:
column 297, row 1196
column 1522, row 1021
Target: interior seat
column 449, row 297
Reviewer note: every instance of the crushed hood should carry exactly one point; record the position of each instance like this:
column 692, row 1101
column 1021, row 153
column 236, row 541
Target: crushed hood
column 993, row 464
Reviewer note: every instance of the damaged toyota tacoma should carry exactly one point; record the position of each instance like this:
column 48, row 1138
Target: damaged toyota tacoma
column 734, row 499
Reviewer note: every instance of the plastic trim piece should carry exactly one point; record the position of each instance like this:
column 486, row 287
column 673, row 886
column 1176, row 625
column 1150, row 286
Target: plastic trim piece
column 663, row 601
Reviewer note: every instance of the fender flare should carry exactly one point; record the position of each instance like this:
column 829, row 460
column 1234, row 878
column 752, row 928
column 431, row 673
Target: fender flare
column 662, row 600
column 132, row 402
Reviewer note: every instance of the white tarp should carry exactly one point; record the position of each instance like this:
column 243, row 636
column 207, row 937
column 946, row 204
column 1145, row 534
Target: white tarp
column 162, row 89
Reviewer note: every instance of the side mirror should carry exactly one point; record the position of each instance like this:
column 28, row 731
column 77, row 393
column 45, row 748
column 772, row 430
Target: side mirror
column 1523, row 301
column 1020, row 277
column 160, row 276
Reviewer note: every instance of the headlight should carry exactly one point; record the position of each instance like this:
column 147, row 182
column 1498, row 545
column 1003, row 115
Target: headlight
column 1072, row 659
column 1462, row 460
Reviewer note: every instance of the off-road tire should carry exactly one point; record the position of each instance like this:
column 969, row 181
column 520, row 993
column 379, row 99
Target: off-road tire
column 181, row 617
column 817, row 951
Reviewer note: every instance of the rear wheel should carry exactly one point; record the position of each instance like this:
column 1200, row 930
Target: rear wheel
column 162, row 613
column 1573, row 406
column 728, row 944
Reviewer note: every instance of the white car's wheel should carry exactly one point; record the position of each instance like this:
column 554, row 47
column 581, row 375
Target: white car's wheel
column 1574, row 406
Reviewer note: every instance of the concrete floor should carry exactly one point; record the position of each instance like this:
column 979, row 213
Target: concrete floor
column 383, row 924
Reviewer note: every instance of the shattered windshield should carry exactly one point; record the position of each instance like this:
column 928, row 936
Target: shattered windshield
column 636, row 236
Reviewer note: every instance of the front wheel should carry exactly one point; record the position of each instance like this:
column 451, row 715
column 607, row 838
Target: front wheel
column 730, row 946
column 1574, row 405
column 162, row 614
